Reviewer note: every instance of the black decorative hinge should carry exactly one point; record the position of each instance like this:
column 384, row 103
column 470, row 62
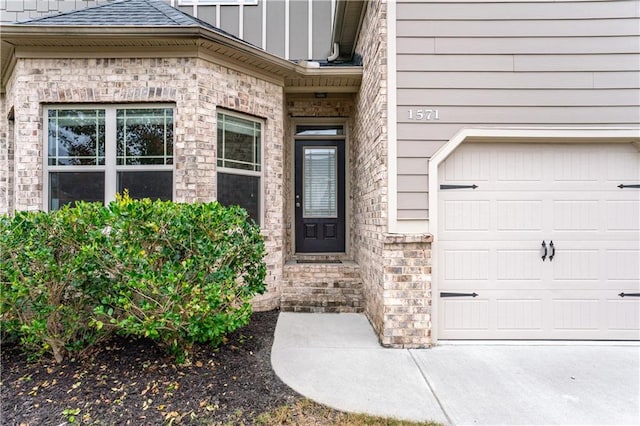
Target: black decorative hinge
column 629, row 295
column 458, row 294
column 458, row 186
column 635, row 185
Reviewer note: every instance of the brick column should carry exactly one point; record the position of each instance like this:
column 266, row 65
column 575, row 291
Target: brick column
column 407, row 291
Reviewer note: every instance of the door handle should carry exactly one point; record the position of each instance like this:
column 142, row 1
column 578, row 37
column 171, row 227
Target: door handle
column 553, row 251
column 544, row 246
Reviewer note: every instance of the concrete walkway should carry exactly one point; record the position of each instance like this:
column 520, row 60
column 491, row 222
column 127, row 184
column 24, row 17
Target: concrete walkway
column 335, row 359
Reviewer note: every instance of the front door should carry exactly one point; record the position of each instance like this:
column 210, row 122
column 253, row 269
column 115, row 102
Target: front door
column 319, row 196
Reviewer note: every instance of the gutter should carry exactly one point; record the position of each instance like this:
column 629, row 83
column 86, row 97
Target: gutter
column 13, row 33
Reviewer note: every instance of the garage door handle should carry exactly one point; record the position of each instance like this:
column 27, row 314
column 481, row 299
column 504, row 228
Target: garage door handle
column 629, row 294
column 544, row 246
column 553, row 251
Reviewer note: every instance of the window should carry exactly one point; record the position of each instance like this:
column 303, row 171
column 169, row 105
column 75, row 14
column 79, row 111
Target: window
column 319, row 130
column 240, row 163
column 95, row 152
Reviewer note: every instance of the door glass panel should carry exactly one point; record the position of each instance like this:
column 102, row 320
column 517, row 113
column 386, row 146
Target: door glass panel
column 320, row 195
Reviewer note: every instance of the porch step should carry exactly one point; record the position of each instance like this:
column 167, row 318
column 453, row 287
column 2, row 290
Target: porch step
column 312, row 285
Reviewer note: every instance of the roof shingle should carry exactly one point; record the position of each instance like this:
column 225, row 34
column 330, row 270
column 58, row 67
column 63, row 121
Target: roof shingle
column 139, row 13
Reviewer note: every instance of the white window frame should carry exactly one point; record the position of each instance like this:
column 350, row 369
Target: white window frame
column 233, row 171
column 110, row 167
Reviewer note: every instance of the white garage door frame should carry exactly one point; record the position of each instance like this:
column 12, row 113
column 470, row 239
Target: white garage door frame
column 505, row 135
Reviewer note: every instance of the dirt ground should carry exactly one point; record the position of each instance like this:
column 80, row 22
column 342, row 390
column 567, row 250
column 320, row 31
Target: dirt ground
column 132, row 382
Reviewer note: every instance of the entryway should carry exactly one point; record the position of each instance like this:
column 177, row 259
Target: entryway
column 319, row 196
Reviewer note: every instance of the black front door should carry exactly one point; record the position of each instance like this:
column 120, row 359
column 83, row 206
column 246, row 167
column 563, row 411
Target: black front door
column 319, row 196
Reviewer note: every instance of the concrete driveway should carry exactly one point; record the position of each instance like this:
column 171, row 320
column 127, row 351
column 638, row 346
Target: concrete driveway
column 335, row 359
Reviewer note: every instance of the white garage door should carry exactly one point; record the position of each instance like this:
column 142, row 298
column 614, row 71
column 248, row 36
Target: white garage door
column 564, row 200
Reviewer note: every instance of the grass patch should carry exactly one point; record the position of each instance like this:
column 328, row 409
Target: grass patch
column 306, row 412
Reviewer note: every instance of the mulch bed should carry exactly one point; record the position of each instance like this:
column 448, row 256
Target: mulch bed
column 132, row 382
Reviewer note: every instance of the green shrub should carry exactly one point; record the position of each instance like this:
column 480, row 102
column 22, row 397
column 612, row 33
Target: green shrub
column 49, row 283
column 182, row 273
column 176, row 273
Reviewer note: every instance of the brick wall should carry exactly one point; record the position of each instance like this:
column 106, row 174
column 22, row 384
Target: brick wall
column 395, row 268
column 407, row 291
column 6, row 160
column 196, row 87
column 368, row 155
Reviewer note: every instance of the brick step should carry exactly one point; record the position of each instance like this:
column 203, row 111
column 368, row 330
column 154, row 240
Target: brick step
column 322, row 287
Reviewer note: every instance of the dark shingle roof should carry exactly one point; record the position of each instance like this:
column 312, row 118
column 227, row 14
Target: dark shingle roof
column 139, row 13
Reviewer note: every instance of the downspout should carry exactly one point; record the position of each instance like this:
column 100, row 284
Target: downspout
column 336, row 52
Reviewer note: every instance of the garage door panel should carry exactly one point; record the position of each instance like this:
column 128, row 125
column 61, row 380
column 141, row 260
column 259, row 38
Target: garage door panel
column 519, row 314
column 547, row 315
column 466, row 215
column 565, row 193
column 577, row 265
column 576, row 314
column 519, row 265
column 623, row 265
column 623, row 314
column 622, row 165
column 576, row 164
column 469, row 165
column 622, row 215
column 577, row 215
column 519, row 165
column 466, row 314
column 519, row 215
column 466, row 265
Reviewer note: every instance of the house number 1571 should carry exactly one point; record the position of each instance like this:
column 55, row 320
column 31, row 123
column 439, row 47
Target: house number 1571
column 424, row 114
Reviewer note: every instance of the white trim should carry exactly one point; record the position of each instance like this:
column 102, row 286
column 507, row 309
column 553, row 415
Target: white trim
column 506, row 135
column 286, row 29
column 264, row 24
column 411, row 226
column 195, row 9
column 241, row 21
column 217, row 15
column 310, row 26
column 110, row 154
column 392, row 137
